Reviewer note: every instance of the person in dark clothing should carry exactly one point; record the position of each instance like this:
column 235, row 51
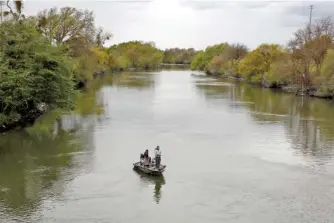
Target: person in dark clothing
column 146, row 154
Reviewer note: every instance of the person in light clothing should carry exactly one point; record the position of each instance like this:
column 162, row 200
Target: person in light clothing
column 157, row 154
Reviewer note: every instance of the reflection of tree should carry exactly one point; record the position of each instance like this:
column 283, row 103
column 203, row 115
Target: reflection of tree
column 308, row 121
column 158, row 181
column 134, row 80
column 30, row 164
column 306, row 129
column 214, row 90
column 175, row 66
column 37, row 162
column 91, row 101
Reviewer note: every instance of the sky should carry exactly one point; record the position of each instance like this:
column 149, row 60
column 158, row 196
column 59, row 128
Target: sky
column 196, row 23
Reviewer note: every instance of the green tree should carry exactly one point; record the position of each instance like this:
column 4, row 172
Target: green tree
column 203, row 59
column 281, row 72
column 256, row 65
column 325, row 81
column 31, row 71
column 135, row 54
column 198, row 62
column 228, row 60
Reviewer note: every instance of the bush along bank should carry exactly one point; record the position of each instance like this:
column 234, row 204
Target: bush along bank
column 304, row 66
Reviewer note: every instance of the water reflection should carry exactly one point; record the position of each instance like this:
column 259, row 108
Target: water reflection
column 175, row 66
column 212, row 89
column 37, row 163
column 308, row 122
column 134, row 80
column 31, row 164
column 157, row 181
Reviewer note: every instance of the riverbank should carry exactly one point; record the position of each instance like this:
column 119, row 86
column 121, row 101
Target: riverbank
column 175, row 64
column 29, row 118
column 295, row 89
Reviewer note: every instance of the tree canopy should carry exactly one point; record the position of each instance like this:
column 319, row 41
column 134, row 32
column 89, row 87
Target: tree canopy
column 31, row 71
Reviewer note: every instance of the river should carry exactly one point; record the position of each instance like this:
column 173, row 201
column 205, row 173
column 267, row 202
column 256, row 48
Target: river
column 234, row 153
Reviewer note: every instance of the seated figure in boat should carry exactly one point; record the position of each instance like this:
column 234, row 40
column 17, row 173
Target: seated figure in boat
column 142, row 157
column 146, row 154
column 145, row 158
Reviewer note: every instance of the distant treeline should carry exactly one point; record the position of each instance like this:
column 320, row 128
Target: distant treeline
column 179, row 56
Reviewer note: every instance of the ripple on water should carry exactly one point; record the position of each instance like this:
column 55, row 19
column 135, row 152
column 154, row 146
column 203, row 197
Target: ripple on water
column 214, row 84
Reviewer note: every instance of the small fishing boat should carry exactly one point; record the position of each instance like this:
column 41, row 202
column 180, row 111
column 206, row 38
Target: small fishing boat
column 149, row 168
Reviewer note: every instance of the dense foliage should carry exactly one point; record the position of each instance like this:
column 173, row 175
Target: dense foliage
column 203, row 58
column 31, row 71
column 305, row 63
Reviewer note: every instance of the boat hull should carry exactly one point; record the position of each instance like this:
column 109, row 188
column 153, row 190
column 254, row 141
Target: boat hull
column 149, row 170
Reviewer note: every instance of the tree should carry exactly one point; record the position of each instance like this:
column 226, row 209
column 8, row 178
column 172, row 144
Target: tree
column 66, row 24
column 31, row 72
column 76, row 30
column 217, row 64
column 281, row 72
column 236, row 52
column 228, row 59
column 198, row 62
column 203, row 59
column 325, row 81
column 309, row 47
column 256, row 64
column 101, row 37
column 135, row 54
column 14, row 10
column 2, row 5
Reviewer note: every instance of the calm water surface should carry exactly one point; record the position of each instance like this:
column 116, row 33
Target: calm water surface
column 234, row 154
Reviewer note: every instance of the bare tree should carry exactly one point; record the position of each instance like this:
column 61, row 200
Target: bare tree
column 236, row 52
column 69, row 23
column 14, row 10
column 310, row 45
column 101, row 37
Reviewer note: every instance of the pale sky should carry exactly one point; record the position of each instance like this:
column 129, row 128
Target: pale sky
column 197, row 23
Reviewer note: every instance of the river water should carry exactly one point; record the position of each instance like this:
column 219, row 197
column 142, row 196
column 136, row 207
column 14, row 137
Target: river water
column 234, row 153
